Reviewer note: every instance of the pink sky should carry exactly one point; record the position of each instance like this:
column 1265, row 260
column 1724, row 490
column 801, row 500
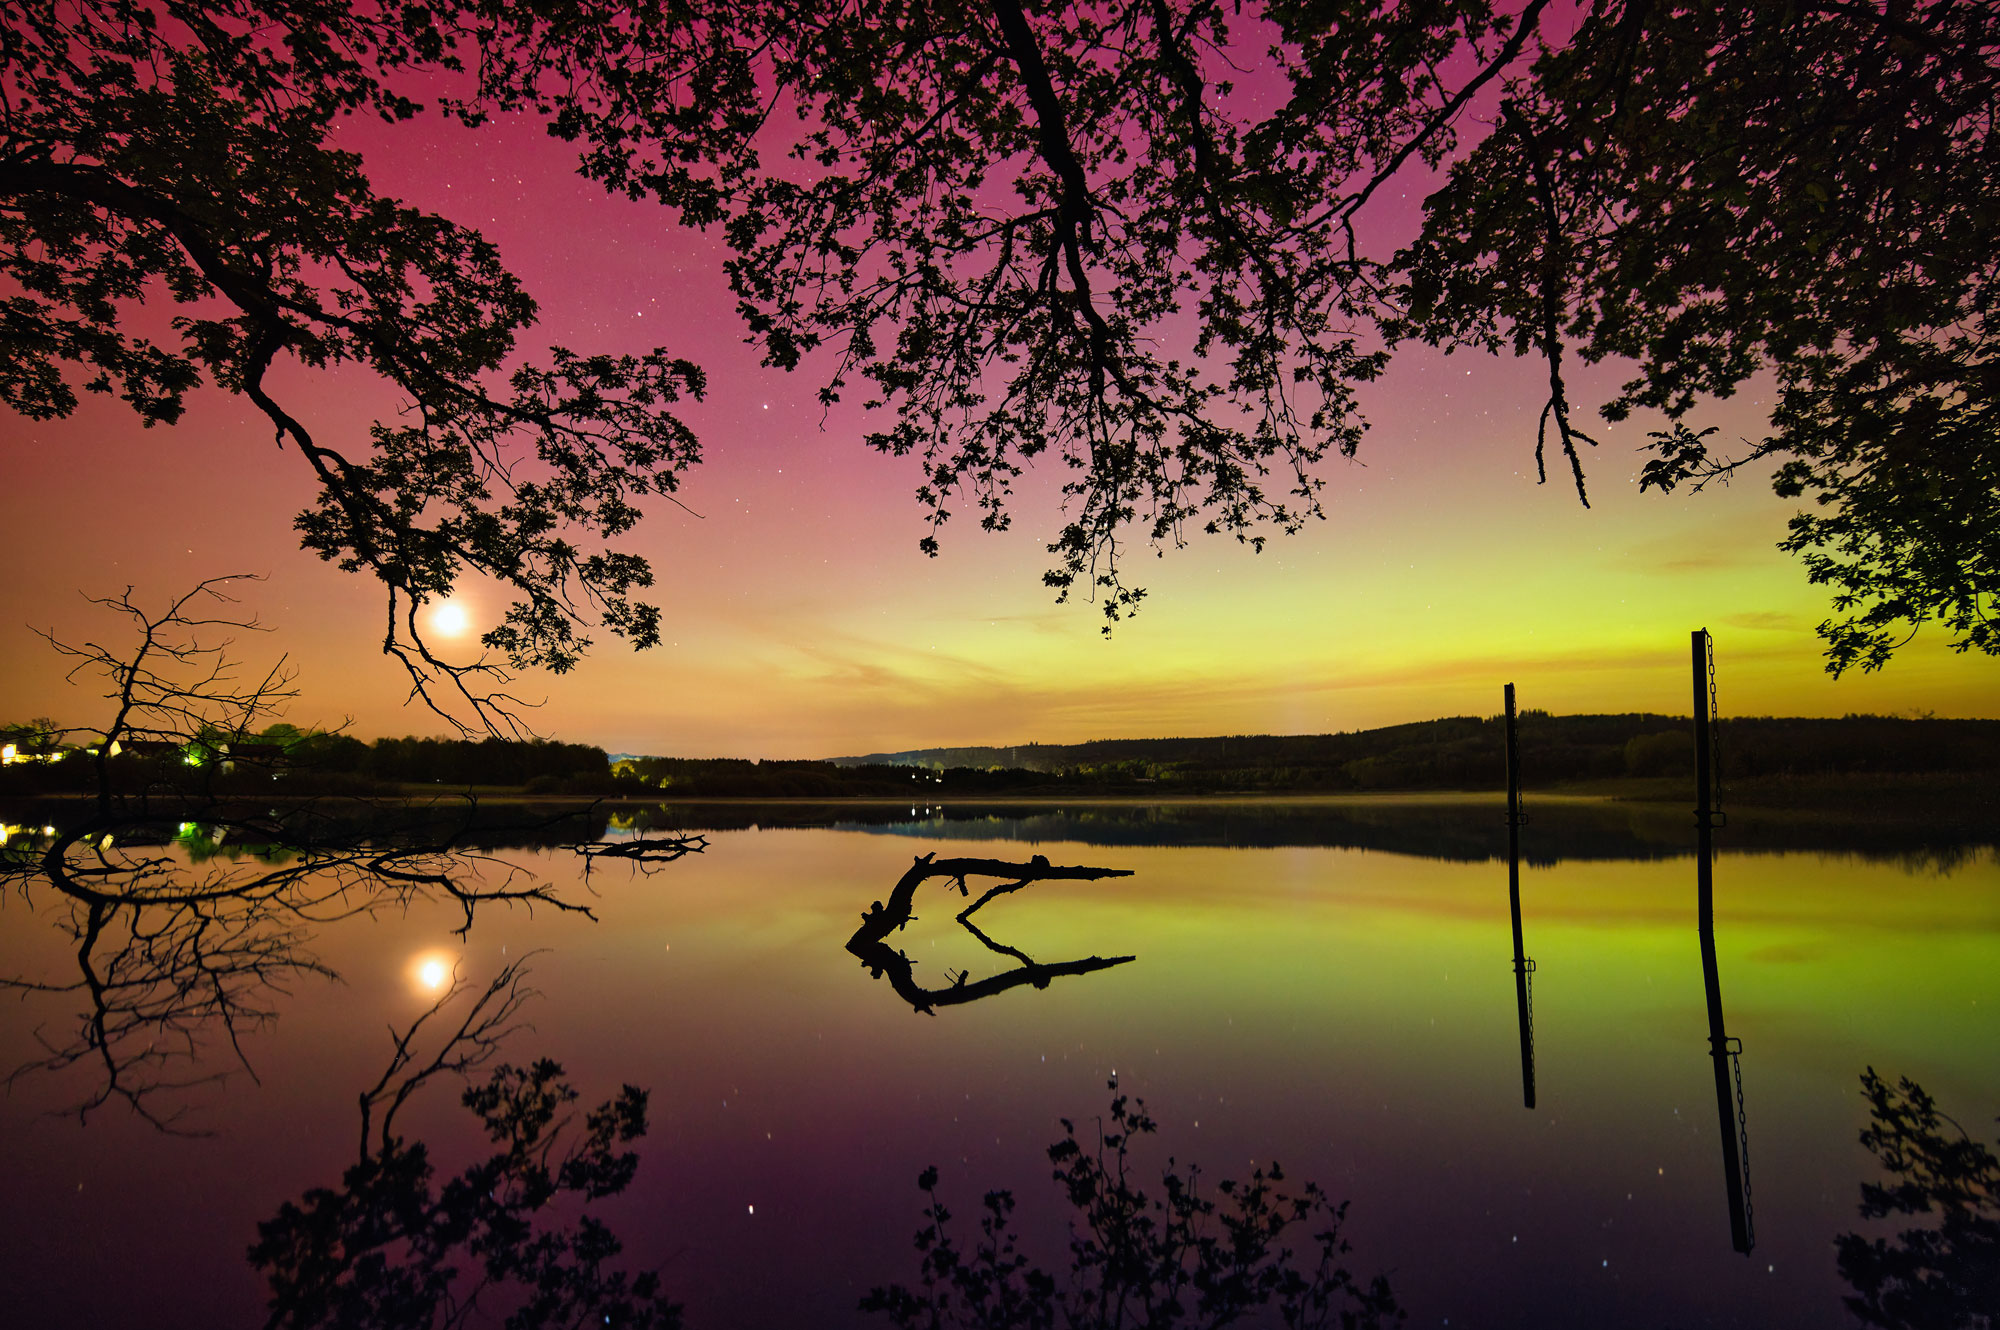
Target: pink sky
column 803, row 621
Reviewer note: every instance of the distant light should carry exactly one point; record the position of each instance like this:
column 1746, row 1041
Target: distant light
column 433, row 973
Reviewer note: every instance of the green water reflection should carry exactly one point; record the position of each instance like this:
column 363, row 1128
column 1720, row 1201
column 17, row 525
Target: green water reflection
column 1350, row 1012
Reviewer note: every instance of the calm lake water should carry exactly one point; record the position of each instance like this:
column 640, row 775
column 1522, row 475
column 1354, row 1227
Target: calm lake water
column 1333, row 989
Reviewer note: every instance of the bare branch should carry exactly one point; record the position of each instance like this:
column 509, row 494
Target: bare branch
column 870, row 944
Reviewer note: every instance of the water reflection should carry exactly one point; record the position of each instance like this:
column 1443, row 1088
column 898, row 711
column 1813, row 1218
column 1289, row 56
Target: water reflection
column 1459, row 828
column 1344, row 1012
column 389, row 1248
column 1180, row 1258
column 1941, row 1275
column 870, row 941
column 1732, row 1120
column 1524, row 968
column 189, row 934
column 1725, row 1053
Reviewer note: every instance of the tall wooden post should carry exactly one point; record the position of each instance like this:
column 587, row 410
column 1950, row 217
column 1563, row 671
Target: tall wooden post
column 1522, row 965
column 1704, row 811
column 1726, row 1108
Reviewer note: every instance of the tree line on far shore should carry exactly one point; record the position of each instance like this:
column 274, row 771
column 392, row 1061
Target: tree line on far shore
column 1468, row 753
column 307, row 761
column 1453, row 753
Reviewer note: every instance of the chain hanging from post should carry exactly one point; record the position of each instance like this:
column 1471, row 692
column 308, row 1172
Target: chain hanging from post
column 1714, row 735
column 1528, row 969
column 1735, row 1049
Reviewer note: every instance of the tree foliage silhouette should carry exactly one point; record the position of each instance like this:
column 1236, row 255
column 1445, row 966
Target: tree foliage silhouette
column 393, row 1247
column 1181, row 1258
column 1800, row 190
column 1943, row 1274
column 184, row 149
column 1027, row 230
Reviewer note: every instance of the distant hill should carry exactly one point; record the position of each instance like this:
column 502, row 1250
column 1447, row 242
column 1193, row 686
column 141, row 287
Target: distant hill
column 1467, row 752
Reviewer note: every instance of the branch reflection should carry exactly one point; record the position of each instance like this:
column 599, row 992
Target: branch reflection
column 391, row 1248
column 186, row 936
column 870, row 941
column 1943, row 1274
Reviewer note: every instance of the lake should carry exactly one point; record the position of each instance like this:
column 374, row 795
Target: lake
column 1330, row 986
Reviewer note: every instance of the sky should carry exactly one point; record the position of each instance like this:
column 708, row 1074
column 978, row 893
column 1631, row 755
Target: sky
column 803, row 622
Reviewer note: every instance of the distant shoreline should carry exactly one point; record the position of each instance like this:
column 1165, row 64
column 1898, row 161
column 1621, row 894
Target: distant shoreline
column 1970, row 800
column 1764, row 791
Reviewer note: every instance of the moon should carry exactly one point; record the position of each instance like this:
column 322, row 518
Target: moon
column 450, row 620
column 433, row 972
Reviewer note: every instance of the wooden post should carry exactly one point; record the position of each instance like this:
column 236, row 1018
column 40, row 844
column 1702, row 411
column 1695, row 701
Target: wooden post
column 1726, row 1107
column 1522, row 965
column 1704, row 813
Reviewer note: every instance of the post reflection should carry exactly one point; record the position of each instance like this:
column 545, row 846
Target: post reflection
column 1524, row 968
column 1725, row 1053
column 1732, row 1125
column 870, row 941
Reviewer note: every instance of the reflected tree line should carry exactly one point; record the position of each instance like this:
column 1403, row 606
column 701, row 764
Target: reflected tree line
column 396, row 1246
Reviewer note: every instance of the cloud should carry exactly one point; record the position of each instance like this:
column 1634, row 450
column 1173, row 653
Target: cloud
column 1766, row 621
column 1712, row 546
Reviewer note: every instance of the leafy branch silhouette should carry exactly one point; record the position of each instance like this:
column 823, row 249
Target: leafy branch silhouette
column 393, row 1247
column 1181, row 1258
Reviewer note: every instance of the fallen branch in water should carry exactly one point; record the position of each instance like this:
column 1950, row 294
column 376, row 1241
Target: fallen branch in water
column 878, row 921
column 642, row 850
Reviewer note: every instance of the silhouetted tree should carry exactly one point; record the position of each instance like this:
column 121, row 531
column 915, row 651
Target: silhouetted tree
column 183, row 149
column 1805, row 190
column 1032, row 229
